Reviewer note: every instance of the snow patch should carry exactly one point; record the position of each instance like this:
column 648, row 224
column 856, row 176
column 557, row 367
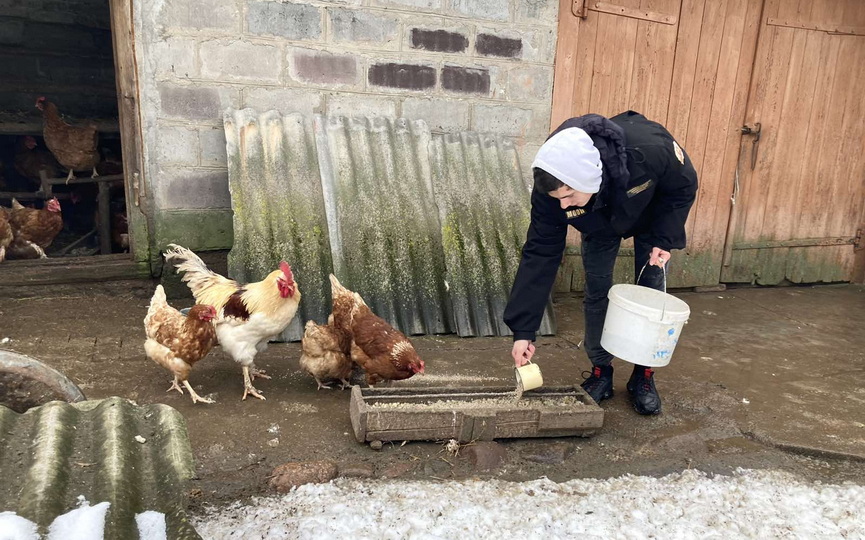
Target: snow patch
column 15, row 527
column 151, row 525
column 751, row 504
column 84, row 523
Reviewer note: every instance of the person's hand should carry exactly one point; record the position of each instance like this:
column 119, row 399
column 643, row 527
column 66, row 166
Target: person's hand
column 659, row 257
column 522, row 352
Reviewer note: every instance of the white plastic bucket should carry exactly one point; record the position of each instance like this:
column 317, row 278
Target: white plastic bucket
column 643, row 325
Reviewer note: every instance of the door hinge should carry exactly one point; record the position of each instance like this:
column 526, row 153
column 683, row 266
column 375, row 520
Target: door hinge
column 857, row 240
column 136, row 188
column 579, row 8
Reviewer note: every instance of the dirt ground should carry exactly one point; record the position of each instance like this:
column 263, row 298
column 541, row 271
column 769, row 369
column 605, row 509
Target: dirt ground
column 763, row 378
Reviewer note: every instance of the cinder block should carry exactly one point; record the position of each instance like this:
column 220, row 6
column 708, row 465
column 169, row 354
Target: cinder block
column 201, row 103
column 240, row 61
column 221, row 14
column 542, row 11
column 284, row 19
column 493, row 45
column 442, row 115
column 284, row 100
column 466, row 80
column 192, row 188
column 502, row 119
column 352, row 105
column 212, row 141
column 361, row 26
column 322, row 67
column 407, row 76
column 426, row 5
column 530, row 83
column 175, row 57
column 177, row 146
column 497, row 10
column 438, row 40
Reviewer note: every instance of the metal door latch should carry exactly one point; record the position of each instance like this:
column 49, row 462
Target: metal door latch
column 754, row 130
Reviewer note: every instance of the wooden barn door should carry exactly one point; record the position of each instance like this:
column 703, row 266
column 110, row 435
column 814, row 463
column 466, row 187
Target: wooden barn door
column 801, row 185
column 683, row 63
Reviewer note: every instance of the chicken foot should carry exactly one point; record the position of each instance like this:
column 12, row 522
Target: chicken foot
column 343, row 384
column 260, row 373
column 175, row 386
column 70, row 176
column 247, row 385
column 195, row 397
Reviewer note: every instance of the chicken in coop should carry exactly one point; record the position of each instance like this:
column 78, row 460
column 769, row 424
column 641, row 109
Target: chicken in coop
column 326, row 352
column 31, row 159
column 5, row 232
column 381, row 350
column 119, row 227
column 176, row 342
column 249, row 315
column 75, row 147
column 33, row 230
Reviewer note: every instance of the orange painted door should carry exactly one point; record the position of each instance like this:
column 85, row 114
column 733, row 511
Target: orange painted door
column 683, row 63
column 800, row 188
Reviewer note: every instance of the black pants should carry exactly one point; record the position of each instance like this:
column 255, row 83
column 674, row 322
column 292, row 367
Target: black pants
column 599, row 257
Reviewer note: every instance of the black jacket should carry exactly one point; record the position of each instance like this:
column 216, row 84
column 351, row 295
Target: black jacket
column 648, row 187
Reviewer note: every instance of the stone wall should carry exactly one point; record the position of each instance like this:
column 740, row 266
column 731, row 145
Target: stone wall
column 484, row 65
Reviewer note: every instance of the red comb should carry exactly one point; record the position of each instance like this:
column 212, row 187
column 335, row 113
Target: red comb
column 286, row 269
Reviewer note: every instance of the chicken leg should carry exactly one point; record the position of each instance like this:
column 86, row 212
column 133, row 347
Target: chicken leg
column 70, row 176
column 247, row 386
column 95, row 174
column 195, row 397
column 175, row 386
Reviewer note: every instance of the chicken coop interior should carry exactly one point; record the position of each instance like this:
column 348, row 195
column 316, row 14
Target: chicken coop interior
column 62, row 51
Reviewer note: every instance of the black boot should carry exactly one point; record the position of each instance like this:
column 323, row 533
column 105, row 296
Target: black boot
column 643, row 392
column 599, row 384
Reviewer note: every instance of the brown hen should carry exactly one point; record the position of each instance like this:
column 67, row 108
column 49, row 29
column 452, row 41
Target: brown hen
column 176, row 342
column 381, row 350
column 34, row 230
column 75, row 147
column 325, row 355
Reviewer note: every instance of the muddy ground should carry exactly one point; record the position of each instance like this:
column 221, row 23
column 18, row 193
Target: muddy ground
column 763, row 378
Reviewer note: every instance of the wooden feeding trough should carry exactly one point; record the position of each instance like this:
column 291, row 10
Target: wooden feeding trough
column 471, row 414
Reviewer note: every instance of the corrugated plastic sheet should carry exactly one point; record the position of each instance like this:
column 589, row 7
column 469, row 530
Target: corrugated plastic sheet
column 484, row 209
column 427, row 228
column 278, row 207
column 54, row 453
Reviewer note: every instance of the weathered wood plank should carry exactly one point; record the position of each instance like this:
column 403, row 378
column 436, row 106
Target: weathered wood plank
column 137, row 204
column 70, row 270
column 566, row 70
column 712, row 209
column 684, row 69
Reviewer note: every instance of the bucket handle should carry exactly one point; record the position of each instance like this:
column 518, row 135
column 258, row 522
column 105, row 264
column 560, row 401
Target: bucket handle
column 664, row 268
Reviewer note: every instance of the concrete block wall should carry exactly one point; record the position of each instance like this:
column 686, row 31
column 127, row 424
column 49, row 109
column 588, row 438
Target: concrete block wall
column 483, row 65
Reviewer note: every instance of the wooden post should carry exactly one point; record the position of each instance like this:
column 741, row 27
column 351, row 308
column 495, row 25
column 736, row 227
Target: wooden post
column 104, row 219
